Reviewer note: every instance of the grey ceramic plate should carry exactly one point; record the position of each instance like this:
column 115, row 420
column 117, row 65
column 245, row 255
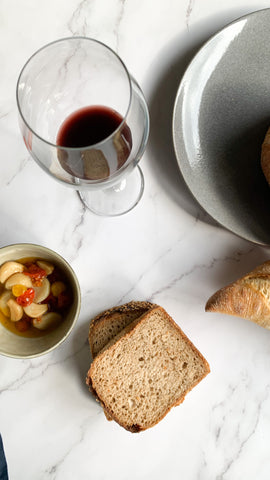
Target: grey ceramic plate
column 221, row 114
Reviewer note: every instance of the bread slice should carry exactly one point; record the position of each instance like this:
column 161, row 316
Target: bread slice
column 110, row 322
column 248, row 297
column 146, row 370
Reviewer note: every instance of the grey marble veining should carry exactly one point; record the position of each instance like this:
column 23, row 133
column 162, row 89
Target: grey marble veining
column 166, row 250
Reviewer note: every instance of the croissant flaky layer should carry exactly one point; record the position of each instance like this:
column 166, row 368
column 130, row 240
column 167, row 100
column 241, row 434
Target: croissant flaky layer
column 248, row 297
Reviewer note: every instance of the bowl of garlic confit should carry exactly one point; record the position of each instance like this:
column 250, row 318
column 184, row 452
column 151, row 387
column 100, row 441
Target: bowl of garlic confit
column 39, row 300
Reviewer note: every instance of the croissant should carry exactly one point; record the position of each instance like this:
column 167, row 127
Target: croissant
column 248, row 297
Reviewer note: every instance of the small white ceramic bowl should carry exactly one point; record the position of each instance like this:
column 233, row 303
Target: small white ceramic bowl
column 16, row 346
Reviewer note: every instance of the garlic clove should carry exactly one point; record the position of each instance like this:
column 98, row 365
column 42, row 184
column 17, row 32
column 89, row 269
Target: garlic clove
column 8, row 269
column 48, row 320
column 16, row 311
column 18, row 279
column 43, row 291
column 47, row 266
column 4, row 298
column 35, row 310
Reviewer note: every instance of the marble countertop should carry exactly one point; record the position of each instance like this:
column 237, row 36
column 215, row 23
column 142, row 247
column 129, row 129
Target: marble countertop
column 167, row 249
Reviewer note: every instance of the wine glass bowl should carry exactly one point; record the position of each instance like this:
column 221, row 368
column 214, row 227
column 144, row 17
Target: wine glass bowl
column 85, row 121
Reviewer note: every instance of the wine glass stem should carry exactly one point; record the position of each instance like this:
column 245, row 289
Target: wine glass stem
column 117, row 199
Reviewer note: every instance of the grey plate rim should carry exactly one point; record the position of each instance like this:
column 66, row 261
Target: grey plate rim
column 174, row 119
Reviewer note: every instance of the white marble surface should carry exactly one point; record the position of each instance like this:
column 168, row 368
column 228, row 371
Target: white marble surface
column 167, row 250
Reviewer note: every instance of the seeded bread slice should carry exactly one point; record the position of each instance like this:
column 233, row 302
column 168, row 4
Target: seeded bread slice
column 110, row 322
column 141, row 374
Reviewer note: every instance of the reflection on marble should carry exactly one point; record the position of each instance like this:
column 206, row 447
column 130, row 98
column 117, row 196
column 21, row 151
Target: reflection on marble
column 167, row 250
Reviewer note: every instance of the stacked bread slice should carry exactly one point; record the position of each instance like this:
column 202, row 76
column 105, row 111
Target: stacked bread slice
column 107, row 324
column 143, row 364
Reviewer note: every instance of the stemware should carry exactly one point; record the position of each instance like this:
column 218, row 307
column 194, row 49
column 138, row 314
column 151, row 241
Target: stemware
column 85, row 121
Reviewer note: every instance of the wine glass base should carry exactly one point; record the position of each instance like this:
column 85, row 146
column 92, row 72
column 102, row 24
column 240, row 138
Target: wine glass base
column 118, row 199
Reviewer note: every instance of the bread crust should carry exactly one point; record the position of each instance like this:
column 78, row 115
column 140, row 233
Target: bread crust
column 134, row 428
column 265, row 156
column 246, row 297
column 125, row 308
column 108, row 316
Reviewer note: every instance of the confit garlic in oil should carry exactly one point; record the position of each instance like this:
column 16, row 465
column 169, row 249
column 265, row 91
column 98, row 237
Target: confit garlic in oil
column 35, row 296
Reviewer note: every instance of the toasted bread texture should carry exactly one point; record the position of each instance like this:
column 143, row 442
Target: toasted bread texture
column 110, row 322
column 248, row 297
column 146, row 370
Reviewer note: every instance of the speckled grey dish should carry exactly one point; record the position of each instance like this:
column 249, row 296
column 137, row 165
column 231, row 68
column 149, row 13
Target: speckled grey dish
column 16, row 346
column 221, row 114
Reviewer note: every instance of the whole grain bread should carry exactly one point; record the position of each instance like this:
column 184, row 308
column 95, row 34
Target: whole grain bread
column 145, row 370
column 110, row 322
column 248, row 297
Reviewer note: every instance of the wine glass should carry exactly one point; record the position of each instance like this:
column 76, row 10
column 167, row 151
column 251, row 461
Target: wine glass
column 85, row 121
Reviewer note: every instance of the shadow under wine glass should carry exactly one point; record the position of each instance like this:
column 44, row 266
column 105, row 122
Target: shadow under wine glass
column 85, row 121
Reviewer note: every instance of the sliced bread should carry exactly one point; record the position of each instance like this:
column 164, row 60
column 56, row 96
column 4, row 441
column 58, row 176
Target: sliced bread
column 110, row 322
column 146, row 370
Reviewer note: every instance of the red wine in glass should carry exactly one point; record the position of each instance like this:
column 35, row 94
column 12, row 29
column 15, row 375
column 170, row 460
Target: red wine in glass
column 88, row 127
